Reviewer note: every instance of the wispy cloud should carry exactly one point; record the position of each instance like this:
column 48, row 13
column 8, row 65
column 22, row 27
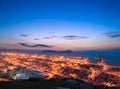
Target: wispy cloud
column 36, row 39
column 73, row 37
column 113, row 34
column 23, row 35
column 53, row 33
column 68, row 37
column 51, row 37
column 36, row 45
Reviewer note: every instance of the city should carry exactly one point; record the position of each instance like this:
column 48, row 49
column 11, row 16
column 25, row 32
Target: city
column 22, row 66
column 59, row 44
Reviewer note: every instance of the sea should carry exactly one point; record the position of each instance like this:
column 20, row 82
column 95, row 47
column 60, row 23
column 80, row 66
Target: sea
column 112, row 57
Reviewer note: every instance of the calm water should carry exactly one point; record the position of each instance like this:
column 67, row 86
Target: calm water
column 112, row 57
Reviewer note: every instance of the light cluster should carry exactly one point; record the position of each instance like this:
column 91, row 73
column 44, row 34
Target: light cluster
column 59, row 66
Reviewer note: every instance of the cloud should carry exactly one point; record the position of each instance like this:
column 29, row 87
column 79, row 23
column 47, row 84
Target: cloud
column 36, row 39
column 113, row 34
column 51, row 37
column 23, row 35
column 72, row 37
column 52, row 33
column 68, row 37
column 36, row 45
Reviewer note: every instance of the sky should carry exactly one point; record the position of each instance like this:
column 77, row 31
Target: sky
column 60, row 24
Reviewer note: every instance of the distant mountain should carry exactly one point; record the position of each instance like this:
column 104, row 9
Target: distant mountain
column 34, row 51
column 52, row 51
column 114, row 49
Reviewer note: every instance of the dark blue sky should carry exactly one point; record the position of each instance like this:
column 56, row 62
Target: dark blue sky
column 62, row 22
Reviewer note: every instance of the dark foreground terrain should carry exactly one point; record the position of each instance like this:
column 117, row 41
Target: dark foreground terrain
column 51, row 84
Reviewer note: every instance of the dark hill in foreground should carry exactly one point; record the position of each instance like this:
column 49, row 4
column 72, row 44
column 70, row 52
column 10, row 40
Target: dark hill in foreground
column 51, row 84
